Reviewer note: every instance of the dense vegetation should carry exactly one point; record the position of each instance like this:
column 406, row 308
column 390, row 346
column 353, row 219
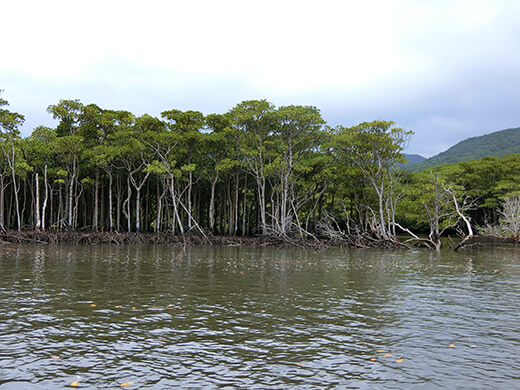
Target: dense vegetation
column 498, row 144
column 254, row 170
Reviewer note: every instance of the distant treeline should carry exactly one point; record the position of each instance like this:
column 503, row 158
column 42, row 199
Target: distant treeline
column 254, row 170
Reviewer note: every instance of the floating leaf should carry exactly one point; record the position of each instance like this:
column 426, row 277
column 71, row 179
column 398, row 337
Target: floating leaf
column 117, row 306
column 133, row 307
column 373, row 359
column 400, row 360
column 74, row 384
column 380, row 350
column 92, row 305
column 171, row 307
column 451, row 345
column 299, row 364
column 126, row 384
column 387, row 354
column 55, row 357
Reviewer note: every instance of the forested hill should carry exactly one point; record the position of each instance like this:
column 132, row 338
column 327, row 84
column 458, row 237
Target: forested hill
column 499, row 144
column 413, row 158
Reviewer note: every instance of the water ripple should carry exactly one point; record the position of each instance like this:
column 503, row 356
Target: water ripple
column 258, row 318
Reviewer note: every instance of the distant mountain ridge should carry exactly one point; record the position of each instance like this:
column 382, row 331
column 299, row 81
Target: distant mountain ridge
column 413, row 158
column 499, row 144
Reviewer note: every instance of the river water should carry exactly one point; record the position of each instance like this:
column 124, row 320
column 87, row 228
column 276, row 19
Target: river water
column 241, row 317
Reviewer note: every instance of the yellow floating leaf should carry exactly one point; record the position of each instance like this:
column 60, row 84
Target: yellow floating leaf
column 379, row 316
column 299, row 364
column 92, row 305
column 74, row 384
column 162, row 339
column 117, row 306
column 154, row 307
column 133, row 307
column 390, row 294
column 171, row 307
column 345, row 282
column 451, row 345
column 55, row 357
column 400, row 360
column 380, row 350
column 373, row 359
column 126, row 384
column 180, row 307
column 387, row 354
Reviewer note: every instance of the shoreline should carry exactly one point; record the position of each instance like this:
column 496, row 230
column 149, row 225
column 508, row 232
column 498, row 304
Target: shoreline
column 89, row 238
column 193, row 239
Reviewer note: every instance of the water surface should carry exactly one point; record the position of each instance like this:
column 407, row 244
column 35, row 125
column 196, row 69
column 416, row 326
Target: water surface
column 239, row 317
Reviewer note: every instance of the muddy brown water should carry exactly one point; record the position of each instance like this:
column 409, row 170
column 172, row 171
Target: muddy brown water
column 242, row 317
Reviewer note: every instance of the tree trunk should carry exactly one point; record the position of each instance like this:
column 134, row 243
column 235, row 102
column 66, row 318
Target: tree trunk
column 212, row 205
column 175, row 209
column 96, row 202
column 37, row 221
column 126, row 205
column 110, row 220
column 2, row 227
column 237, row 184
column 44, row 206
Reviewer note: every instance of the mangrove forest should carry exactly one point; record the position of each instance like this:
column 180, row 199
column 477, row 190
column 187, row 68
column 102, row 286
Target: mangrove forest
column 254, row 171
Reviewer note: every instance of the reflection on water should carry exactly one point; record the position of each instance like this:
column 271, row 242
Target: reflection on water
column 232, row 317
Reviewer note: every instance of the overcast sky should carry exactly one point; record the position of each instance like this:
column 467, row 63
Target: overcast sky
column 447, row 70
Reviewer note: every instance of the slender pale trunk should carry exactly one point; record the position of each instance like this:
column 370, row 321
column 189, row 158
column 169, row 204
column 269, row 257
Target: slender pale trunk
column 237, row 182
column 244, row 209
column 15, row 189
column 230, row 209
column 96, row 202
column 70, row 195
column 212, row 204
column 261, row 201
column 190, row 183
column 175, row 209
column 126, row 204
column 37, row 221
column 157, row 227
column 110, row 220
column 46, row 197
column 138, row 199
column 137, row 210
column 2, row 227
